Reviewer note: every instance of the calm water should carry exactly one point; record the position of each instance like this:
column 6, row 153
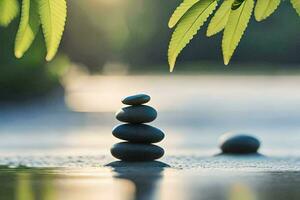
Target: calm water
column 146, row 183
column 58, row 148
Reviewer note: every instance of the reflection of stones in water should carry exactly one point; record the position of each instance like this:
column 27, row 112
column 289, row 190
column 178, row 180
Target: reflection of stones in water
column 144, row 175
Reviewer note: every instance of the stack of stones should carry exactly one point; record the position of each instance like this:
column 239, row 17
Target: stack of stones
column 138, row 136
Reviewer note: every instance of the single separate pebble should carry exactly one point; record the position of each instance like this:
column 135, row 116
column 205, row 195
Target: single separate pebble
column 239, row 144
column 137, row 114
column 137, row 99
column 138, row 133
column 136, row 152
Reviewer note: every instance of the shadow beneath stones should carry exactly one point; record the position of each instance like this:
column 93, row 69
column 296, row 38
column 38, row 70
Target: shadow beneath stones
column 144, row 175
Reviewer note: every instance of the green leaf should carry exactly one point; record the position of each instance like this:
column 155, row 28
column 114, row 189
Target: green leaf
column 180, row 11
column 236, row 4
column 264, row 8
column 219, row 20
column 53, row 17
column 296, row 5
column 188, row 27
column 235, row 27
column 28, row 28
column 9, row 9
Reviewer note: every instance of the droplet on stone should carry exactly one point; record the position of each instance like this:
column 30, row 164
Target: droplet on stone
column 137, row 99
column 136, row 152
column 136, row 114
column 231, row 143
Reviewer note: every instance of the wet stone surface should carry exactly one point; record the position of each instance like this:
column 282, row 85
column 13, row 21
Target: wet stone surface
column 137, row 114
column 136, row 152
column 137, row 99
column 138, row 133
column 235, row 143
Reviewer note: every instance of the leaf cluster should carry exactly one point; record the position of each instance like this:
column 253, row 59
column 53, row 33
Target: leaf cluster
column 48, row 15
column 231, row 17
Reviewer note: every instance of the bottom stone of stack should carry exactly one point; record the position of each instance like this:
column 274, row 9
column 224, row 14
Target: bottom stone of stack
column 136, row 152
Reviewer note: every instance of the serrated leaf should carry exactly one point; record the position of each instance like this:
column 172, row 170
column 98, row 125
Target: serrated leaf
column 9, row 9
column 180, row 11
column 264, row 8
column 236, row 4
column 53, row 17
column 296, row 5
column 188, row 27
column 235, row 27
column 219, row 20
column 28, row 28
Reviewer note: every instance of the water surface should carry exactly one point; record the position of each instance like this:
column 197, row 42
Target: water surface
column 58, row 148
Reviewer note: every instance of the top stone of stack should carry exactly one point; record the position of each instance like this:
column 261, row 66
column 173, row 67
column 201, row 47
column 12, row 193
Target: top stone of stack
column 137, row 99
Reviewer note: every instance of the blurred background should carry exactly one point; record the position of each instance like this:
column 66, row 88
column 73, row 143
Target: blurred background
column 114, row 48
column 131, row 36
column 134, row 34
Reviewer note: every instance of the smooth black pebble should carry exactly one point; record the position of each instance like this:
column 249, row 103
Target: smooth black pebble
column 138, row 133
column 137, row 99
column 239, row 144
column 137, row 114
column 136, row 152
